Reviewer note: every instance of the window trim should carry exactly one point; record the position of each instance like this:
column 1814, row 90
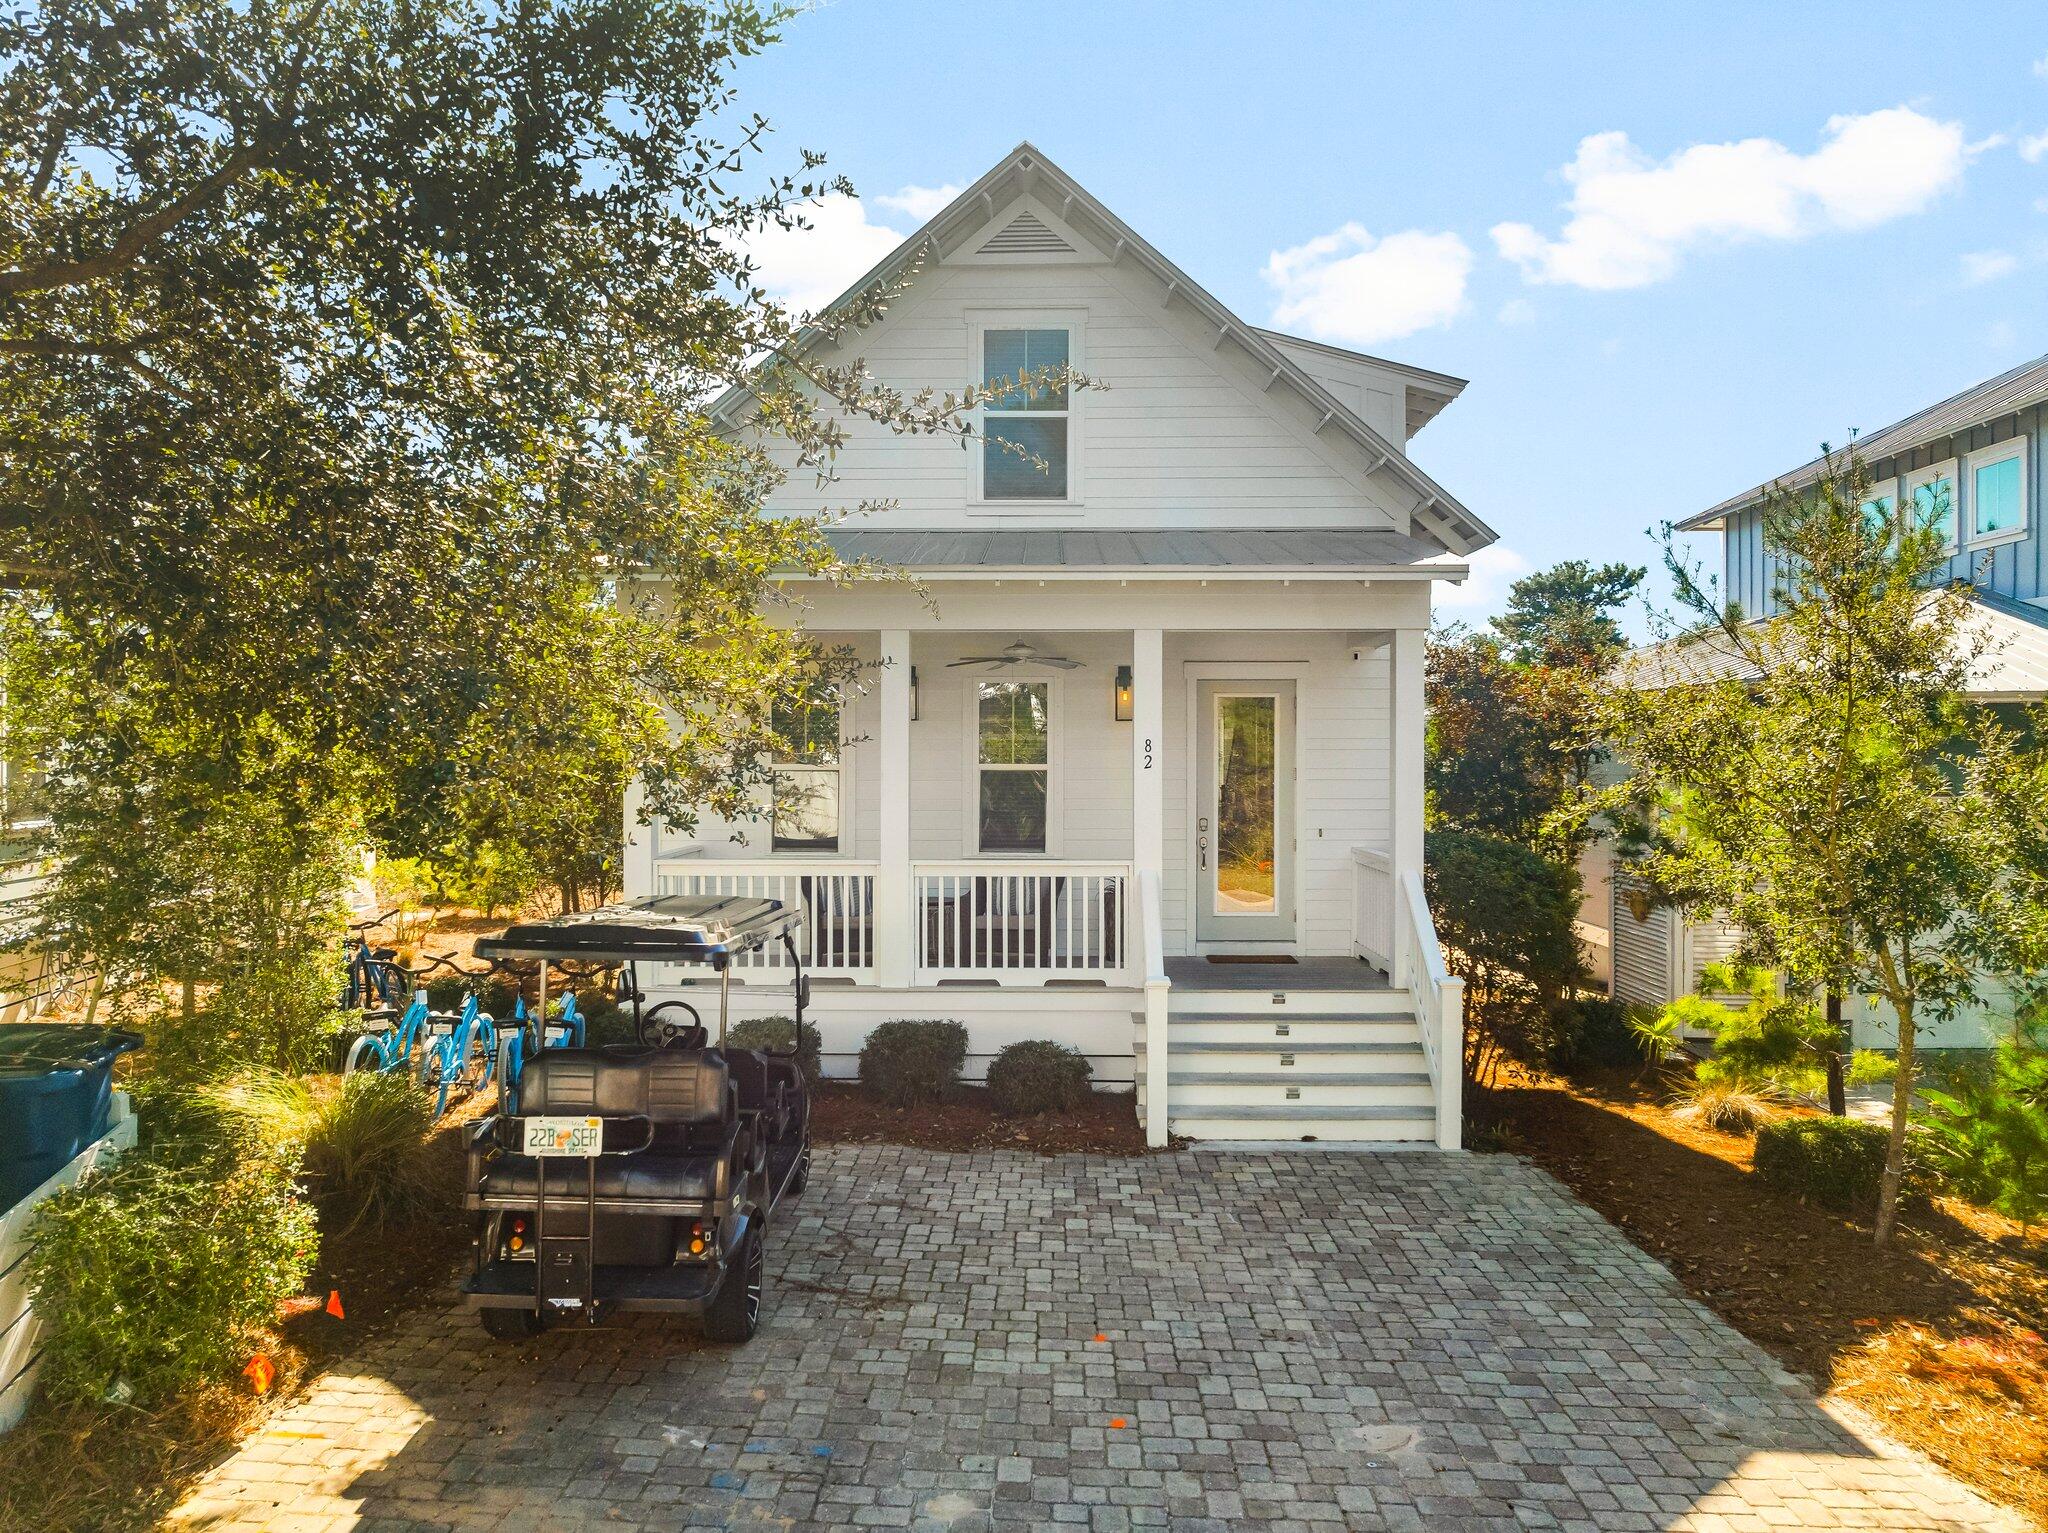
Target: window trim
column 1054, row 736
column 844, row 767
column 1920, row 478
column 1074, row 322
column 1885, row 488
column 2012, row 447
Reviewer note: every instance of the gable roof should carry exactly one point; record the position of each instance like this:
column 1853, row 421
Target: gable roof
column 1978, row 405
column 1427, row 392
column 1026, row 170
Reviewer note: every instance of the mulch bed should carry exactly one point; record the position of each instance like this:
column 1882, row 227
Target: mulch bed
column 844, row 1114
column 1937, row 1339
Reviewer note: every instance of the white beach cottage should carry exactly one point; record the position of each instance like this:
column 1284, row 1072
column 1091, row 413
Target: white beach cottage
column 1140, row 768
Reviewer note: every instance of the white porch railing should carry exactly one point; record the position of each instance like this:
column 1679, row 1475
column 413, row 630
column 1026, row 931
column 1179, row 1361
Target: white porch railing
column 1372, row 906
column 1021, row 923
column 837, row 896
column 1418, row 967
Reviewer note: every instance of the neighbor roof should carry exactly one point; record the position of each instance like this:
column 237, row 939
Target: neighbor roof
column 2012, row 666
column 1193, row 553
column 1025, row 170
column 1988, row 401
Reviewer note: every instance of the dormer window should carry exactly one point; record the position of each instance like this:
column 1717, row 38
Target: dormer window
column 1027, row 427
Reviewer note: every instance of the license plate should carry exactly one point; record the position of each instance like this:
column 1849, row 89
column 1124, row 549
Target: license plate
column 580, row 1137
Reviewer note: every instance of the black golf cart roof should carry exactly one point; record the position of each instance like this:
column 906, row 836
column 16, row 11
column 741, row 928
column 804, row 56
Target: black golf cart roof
column 663, row 928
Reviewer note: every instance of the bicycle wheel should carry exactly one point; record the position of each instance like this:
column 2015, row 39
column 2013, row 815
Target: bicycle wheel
column 366, row 1053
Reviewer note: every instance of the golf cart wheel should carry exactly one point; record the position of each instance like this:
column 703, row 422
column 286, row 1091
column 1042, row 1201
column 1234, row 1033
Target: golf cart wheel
column 802, row 1179
column 512, row 1324
column 735, row 1314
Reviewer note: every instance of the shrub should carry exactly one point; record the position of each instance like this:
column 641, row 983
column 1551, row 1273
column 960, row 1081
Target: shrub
column 908, row 1063
column 1728, row 1106
column 361, row 1139
column 606, row 1022
column 446, row 992
column 1987, row 1141
column 1835, row 1162
column 1037, row 1077
column 774, row 1033
column 1505, row 916
column 1594, row 1031
column 155, row 1275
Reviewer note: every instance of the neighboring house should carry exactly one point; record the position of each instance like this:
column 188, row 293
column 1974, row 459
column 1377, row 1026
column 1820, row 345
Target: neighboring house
column 1984, row 447
column 1203, row 734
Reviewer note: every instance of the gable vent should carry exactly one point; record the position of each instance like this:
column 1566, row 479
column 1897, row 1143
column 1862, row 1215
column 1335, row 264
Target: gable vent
column 1026, row 234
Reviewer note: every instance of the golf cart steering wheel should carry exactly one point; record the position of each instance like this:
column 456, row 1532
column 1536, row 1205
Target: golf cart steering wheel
column 671, row 1031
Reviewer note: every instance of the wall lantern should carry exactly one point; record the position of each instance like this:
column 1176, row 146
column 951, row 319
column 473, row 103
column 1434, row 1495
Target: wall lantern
column 913, row 694
column 1123, row 694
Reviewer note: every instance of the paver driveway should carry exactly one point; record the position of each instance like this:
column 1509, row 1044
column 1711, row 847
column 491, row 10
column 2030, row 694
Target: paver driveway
column 1298, row 1341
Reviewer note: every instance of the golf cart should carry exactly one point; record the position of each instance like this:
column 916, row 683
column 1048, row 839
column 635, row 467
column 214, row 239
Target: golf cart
column 639, row 1176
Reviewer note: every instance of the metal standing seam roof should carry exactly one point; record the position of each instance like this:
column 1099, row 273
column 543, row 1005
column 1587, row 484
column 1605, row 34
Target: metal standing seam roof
column 1147, row 549
column 2011, row 668
column 2023, row 386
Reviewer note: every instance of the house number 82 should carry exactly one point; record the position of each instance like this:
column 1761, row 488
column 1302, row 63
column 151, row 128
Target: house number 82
column 1148, row 755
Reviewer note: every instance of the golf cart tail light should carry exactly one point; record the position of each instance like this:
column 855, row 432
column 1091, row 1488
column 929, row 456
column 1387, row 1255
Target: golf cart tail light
column 518, row 1243
column 697, row 1237
column 519, row 1226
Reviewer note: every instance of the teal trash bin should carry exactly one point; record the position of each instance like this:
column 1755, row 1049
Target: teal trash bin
column 56, row 1097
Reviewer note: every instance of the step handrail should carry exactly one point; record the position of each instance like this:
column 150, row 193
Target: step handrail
column 1439, row 998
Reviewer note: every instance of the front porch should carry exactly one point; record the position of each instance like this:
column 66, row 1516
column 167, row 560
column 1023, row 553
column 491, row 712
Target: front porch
column 1059, row 848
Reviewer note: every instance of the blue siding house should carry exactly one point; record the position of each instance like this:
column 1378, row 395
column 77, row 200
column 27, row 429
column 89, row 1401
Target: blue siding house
column 1984, row 447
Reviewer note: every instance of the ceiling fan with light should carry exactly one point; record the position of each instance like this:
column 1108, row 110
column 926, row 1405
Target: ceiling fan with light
column 1019, row 653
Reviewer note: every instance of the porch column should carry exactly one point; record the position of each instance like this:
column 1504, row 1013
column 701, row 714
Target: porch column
column 1406, row 718
column 637, row 870
column 1148, row 858
column 895, row 952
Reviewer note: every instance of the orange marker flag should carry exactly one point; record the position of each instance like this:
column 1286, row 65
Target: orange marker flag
column 1100, row 1337
column 334, row 1304
column 261, row 1374
column 1117, row 1422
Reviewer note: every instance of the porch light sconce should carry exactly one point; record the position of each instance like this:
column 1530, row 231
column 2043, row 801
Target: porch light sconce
column 1123, row 694
column 913, row 694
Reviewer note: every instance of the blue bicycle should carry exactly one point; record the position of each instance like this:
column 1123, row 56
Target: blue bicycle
column 563, row 1030
column 389, row 1048
column 458, row 1053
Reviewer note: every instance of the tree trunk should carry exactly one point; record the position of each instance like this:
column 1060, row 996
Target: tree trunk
column 1838, row 1090
column 1895, row 1153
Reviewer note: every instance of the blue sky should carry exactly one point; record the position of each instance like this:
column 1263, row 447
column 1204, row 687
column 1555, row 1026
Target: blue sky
column 1673, row 248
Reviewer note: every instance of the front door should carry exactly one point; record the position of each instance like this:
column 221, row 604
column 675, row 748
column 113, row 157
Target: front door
column 1244, row 812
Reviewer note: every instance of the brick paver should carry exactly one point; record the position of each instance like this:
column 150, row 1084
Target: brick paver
column 1296, row 1342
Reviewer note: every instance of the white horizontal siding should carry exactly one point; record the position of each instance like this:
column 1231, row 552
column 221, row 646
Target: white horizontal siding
column 1642, row 949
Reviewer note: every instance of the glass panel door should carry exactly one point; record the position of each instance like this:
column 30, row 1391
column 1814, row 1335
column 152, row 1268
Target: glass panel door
column 1244, row 825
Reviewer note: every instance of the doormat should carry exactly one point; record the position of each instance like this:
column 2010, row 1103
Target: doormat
column 1251, row 958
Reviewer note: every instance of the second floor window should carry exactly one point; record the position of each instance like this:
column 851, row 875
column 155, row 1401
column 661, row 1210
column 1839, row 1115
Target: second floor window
column 1998, row 492
column 807, row 774
column 1933, row 498
column 1024, row 450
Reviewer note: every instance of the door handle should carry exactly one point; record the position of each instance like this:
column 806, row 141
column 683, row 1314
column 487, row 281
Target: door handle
column 1202, row 852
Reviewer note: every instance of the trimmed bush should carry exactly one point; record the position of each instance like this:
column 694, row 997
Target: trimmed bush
column 153, row 1276
column 605, row 1022
column 1835, row 1162
column 774, row 1033
column 909, row 1063
column 1036, row 1076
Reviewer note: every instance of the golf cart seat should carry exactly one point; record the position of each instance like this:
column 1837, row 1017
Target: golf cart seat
column 686, row 1095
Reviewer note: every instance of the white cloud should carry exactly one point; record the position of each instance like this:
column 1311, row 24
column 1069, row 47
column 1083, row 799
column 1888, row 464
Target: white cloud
column 1517, row 311
column 2041, row 66
column 808, row 268
column 918, row 202
column 1633, row 218
column 2034, row 147
column 1348, row 286
column 1484, row 591
column 1980, row 266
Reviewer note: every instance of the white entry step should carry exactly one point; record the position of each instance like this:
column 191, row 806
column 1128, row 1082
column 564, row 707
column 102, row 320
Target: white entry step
column 1343, row 1067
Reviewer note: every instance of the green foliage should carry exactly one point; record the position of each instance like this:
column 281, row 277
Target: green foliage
column 1987, row 1141
column 778, row 1033
column 156, row 1274
column 1770, row 1044
column 1819, row 777
column 908, row 1063
column 1562, row 617
column 1593, row 1030
column 1835, row 1162
column 1505, row 917
column 606, row 1022
column 361, row 1139
column 1037, row 1076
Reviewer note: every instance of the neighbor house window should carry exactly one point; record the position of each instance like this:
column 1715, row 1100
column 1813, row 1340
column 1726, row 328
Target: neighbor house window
column 1931, row 492
column 1024, row 448
column 1998, row 492
column 807, row 773
column 1013, row 722
column 1881, row 506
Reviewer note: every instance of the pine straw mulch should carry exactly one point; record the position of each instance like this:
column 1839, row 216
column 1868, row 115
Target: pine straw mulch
column 1106, row 1125
column 113, row 1469
column 1939, row 1339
